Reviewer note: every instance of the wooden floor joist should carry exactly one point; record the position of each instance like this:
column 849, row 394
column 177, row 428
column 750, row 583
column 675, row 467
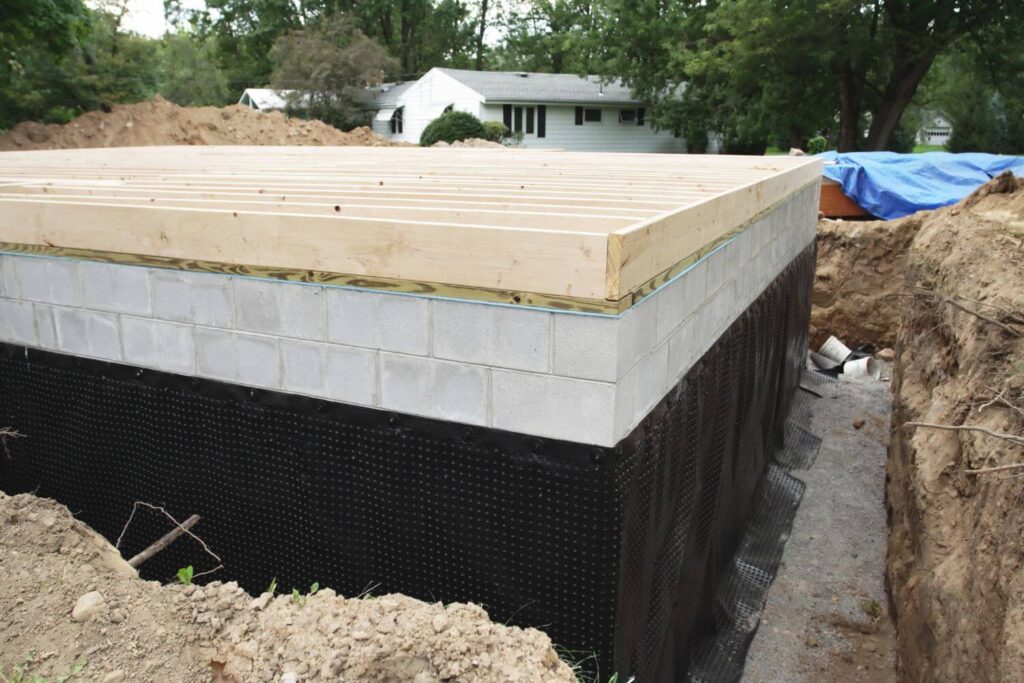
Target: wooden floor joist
column 555, row 229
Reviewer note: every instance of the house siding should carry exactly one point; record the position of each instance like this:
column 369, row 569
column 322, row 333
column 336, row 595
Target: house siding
column 426, row 100
column 607, row 136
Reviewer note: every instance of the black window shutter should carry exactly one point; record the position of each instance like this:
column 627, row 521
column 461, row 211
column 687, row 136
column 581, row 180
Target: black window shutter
column 579, row 116
column 507, row 115
column 640, row 116
column 518, row 120
column 529, row 120
column 542, row 121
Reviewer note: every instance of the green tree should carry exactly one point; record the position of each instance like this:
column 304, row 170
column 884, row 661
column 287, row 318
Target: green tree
column 555, row 36
column 87, row 63
column 114, row 66
column 980, row 87
column 245, row 31
column 328, row 64
column 189, row 74
column 791, row 68
column 36, row 37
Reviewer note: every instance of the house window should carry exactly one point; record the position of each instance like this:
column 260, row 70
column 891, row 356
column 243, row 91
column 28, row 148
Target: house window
column 632, row 116
column 528, row 120
column 449, row 108
column 396, row 121
column 587, row 115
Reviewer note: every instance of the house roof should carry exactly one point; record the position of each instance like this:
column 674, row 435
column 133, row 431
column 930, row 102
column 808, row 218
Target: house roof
column 522, row 86
column 266, row 98
column 385, row 95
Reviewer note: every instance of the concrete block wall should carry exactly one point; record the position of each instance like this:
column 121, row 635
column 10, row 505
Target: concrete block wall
column 583, row 378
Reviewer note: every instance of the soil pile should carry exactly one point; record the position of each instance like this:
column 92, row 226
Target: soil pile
column 159, row 122
column 956, row 551
column 859, row 278
column 469, row 142
column 72, row 605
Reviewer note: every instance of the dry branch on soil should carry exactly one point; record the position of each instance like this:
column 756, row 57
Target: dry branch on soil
column 1013, row 317
column 164, row 541
column 1012, row 438
column 999, row 398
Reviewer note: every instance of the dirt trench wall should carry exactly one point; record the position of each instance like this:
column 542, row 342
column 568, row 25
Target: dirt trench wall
column 956, row 547
column 860, row 272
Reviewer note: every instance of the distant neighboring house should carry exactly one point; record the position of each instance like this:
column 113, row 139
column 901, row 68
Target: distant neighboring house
column 550, row 110
column 265, row 99
column 935, row 130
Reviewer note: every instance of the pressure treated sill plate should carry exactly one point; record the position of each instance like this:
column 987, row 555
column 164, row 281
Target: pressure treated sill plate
column 576, row 231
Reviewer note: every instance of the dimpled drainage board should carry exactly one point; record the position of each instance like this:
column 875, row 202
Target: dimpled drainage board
column 615, row 551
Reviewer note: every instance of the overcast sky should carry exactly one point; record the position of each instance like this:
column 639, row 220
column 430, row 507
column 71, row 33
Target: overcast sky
column 147, row 16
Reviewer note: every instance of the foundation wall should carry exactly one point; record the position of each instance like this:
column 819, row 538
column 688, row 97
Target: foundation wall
column 618, row 551
column 578, row 377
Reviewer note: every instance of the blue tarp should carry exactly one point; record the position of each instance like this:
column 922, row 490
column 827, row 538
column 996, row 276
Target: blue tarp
column 891, row 185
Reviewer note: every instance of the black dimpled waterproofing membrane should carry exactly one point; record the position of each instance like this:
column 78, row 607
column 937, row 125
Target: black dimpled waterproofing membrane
column 619, row 552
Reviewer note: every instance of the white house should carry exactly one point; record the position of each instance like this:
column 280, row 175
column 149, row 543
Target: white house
column 935, row 130
column 550, row 110
column 265, row 99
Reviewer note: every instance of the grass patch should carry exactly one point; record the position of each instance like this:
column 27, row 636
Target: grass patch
column 872, row 608
column 921, row 149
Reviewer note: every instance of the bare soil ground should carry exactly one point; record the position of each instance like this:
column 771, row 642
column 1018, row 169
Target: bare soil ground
column 827, row 614
column 956, row 550
column 858, row 280
column 947, row 288
column 72, row 607
column 159, row 122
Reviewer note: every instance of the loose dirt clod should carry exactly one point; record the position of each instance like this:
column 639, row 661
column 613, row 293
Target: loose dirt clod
column 63, row 596
column 159, row 122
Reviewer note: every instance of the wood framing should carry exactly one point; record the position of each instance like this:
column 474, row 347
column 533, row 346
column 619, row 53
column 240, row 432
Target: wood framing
column 835, row 204
column 580, row 230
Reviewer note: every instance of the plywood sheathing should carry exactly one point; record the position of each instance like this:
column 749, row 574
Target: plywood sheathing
column 544, row 226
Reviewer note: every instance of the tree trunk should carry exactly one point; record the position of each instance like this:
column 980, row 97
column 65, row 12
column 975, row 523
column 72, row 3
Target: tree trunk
column 480, row 36
column 557, row 62
column 904, row 78
column 849, row 111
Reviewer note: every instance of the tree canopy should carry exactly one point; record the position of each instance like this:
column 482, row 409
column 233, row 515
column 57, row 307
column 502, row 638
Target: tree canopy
column 755, row 73
column 326, row 65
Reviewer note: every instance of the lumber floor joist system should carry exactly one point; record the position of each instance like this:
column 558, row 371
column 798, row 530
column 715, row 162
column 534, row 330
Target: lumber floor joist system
column 559, row 230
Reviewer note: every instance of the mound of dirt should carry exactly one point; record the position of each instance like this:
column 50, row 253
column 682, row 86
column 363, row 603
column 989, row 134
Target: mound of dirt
column 469, row 142
column 859, row 278
column 159, row 122
column 73, row 607
column 956, row 551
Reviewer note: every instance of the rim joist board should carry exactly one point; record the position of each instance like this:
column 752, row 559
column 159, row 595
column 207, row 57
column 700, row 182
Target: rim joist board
column 589, row 232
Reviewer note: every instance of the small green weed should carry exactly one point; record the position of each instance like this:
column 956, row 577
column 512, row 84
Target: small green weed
column 20, row 672
column 185, row 575
column 272, row 588
column 300, row 599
